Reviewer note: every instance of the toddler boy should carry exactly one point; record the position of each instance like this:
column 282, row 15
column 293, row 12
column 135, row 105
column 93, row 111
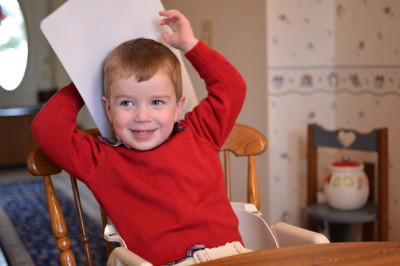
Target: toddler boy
column 161, row 181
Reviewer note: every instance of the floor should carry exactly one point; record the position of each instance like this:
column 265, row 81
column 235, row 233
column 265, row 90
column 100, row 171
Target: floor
column 61, row 182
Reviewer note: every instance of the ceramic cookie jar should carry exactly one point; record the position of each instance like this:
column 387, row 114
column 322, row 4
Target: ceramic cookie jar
column 346, row 187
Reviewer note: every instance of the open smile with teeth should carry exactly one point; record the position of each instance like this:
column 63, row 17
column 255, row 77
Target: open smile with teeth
column 143, row 133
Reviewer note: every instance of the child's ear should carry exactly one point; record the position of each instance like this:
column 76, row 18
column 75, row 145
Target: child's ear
column 179, row 106
column 106, row 104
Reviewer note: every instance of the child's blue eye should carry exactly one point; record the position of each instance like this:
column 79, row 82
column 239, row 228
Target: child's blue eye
column 126, row 103
column 157, row 102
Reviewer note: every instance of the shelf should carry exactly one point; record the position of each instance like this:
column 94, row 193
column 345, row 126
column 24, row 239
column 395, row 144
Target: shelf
column 323, row 212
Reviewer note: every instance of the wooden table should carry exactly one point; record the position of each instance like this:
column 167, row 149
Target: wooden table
column 346, row 253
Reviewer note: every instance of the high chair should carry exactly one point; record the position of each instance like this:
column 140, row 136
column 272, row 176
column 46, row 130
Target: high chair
column 256, row 234
column 245, row 141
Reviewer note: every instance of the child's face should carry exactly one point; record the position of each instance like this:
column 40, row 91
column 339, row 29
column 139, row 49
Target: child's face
column 143, row 113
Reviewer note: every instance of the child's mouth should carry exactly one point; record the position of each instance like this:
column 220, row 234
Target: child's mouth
column 143, row 132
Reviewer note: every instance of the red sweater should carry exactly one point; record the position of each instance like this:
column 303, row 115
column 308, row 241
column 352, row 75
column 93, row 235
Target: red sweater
column 166, row 200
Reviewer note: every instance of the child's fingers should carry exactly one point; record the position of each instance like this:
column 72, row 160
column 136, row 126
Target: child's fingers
column 171, row 15
column 166, row 36
column 164, row 21
column 169, row 12
column 168, row 21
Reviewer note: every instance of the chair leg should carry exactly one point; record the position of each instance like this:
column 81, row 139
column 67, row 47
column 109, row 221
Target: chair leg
column 82, row 224
column 58, row 225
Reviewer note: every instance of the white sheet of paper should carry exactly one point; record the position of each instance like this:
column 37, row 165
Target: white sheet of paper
column 83, row 32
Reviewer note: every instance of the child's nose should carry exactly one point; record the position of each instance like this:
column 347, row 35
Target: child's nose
column 142, row 115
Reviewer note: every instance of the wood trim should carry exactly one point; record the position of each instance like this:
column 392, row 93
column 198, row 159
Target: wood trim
column 39, row 164
column 383, row 188
column 82, row 223
column 245, row 141
column 252, row 194
column 312, row 178
column 58, row 225
column 227, row 170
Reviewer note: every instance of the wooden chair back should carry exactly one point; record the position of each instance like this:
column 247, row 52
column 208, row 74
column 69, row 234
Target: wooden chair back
column 375, row 141
column 39, row 164
column 244, row 141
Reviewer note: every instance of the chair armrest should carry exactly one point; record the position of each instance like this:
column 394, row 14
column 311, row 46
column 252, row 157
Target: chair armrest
column 123, row 256
column 111, row 235
column 255, row 232
column 248, row 207
column 290, row 235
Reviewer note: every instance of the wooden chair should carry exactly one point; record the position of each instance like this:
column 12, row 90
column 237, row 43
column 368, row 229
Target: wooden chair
column 39, row 164
column 376, row 209
column 244, row 141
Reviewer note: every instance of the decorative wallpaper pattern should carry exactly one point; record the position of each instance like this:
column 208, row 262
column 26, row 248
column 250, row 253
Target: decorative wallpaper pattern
column 335, row 63
column 332, row 47
column 355, row 80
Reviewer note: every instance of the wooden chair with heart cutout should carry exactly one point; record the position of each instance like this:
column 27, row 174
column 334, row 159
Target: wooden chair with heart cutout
column 374, row 215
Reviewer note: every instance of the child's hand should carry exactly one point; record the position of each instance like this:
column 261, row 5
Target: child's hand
column 182, row 37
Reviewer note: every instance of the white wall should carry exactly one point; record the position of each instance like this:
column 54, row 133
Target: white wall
column 300, row 40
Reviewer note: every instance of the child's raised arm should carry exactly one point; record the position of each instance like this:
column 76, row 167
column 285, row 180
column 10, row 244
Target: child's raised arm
column 182, row 37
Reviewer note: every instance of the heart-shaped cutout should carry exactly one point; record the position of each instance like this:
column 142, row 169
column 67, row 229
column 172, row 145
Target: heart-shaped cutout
column 346, row 138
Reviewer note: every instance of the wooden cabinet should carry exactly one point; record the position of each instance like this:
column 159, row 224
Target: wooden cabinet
column 15, row 135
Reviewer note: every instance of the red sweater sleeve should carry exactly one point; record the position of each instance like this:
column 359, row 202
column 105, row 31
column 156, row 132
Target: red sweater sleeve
column 215, row 116
column 55, row 131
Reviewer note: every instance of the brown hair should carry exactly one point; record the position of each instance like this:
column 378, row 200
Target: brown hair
column 142, row 58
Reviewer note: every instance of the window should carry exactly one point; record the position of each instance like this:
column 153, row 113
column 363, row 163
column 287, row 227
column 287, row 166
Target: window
column 13, row 45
